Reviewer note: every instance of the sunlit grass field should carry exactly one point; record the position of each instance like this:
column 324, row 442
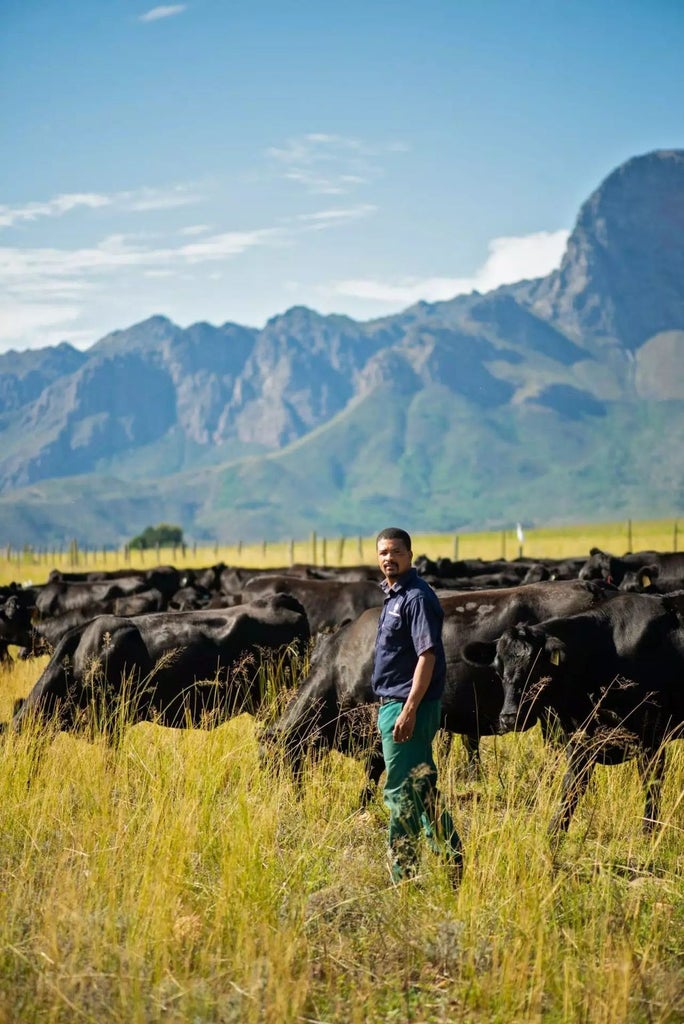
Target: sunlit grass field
column 553, row 542
column 173, row 878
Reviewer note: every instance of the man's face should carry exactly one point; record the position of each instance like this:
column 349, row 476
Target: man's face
column 394, row 558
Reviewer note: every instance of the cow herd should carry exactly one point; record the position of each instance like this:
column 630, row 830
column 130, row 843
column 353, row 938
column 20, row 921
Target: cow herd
column 591, row 649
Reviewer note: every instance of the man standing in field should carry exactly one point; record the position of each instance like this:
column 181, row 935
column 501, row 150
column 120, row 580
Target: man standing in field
column 409, row 673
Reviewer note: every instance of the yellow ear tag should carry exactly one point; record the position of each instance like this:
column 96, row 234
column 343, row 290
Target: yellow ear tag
column 645, row 581
column 555, row 657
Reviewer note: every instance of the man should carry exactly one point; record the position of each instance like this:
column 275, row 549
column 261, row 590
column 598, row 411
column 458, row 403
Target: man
column 409, row 673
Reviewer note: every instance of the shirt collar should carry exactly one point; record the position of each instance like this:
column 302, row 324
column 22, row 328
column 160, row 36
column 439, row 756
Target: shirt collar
column 400, row 583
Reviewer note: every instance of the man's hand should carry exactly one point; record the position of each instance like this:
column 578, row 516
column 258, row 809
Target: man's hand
column 404, row 725
column 406, row 722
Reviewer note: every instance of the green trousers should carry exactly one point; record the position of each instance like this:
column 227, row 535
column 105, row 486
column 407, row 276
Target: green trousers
column 411, row 791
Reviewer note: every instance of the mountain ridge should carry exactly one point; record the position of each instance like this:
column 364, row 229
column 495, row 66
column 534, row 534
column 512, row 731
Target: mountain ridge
column 456, row 414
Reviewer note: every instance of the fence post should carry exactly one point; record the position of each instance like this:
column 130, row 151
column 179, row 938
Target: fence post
column 292, row 543
column 324, row 552
column 340, row 550
column 263, row 549
column 313, row 547
column 361, row 549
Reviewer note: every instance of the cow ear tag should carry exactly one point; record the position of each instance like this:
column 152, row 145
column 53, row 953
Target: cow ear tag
column 646, row 581
column 555, row 657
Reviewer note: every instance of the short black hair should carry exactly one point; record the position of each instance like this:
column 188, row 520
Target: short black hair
column 394, row 533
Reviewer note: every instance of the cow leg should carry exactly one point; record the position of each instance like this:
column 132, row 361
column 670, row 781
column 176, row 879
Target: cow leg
column 580, row 767
column 652, row 771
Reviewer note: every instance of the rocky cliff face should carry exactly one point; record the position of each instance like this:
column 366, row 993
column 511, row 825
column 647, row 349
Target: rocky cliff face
column 621, row 279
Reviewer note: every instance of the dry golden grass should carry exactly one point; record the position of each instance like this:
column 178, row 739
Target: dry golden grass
column 552, row 542
column 174, row 879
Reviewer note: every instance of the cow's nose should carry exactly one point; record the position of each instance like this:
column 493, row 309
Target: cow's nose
column 507, row 721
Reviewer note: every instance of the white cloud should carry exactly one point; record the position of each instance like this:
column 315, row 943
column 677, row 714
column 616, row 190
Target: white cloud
column 17, row 319
column 327, row 164
column 510, row 259
column 323, row 219
column 194, row 229
column 168, row 11
column 137, row 200
column 55, row 207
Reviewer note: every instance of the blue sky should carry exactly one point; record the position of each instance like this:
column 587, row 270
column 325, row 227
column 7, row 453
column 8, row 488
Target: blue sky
column 223, row 161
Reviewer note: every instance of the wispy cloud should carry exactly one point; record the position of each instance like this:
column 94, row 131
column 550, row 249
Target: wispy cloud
column 324, row 219
column 137, row 200
column 167, row 11
column 55, row 207
column 510, row 259
column 328, row 164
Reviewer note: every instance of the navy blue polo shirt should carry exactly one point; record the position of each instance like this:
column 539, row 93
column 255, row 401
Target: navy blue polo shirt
column 410, row 624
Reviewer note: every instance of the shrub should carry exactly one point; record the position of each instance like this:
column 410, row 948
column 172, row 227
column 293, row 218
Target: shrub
column 164, row 535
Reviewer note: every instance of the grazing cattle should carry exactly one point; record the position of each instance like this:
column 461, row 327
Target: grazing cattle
column 328, row 603
column 613, row 676
column 331, row 707
column 174, row 668
column 58, row 597
column 601, row 565
column 17, row 606
column 41, row 637
column 650, row 580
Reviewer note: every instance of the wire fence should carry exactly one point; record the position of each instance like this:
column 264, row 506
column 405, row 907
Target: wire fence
column 516, row 542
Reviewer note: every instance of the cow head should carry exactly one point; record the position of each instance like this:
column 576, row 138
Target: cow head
column 641, row 581
column 526, row 659
column 599, row 566
column 15, row 618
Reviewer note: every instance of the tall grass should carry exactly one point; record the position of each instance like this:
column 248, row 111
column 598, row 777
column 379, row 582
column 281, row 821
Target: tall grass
column 173, row 878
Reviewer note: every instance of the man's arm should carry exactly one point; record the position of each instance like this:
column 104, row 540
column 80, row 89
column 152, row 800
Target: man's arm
column 406, row 722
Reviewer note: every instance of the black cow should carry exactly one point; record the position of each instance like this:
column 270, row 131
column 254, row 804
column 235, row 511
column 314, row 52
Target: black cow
column 613, row 675
column 601, row 565
column 331, row 707
column 328, row 603
column 650, row 580
column 174, row 668
column 58, row 597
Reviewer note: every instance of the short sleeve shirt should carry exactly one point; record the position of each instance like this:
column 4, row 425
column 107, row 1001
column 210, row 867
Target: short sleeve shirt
column 410, row 624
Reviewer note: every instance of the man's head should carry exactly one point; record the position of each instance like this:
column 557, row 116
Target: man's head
column 394, row 552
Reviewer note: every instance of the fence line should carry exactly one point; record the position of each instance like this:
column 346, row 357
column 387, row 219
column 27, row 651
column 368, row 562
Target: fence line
column 561, row 541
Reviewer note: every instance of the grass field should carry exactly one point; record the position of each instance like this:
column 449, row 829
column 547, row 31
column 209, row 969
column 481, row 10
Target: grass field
column 172, row 878
column 552, row 542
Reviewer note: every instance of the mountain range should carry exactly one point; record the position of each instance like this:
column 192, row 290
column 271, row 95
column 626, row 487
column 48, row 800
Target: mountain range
column 554, row 400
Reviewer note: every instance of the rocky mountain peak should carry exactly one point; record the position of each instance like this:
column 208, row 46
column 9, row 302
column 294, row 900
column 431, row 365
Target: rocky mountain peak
column 620, row 281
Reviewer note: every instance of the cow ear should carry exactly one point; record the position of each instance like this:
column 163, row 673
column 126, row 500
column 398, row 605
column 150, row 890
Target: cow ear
column 555, row 650
column 596, row 551
column 647, row 574
column 479, row 653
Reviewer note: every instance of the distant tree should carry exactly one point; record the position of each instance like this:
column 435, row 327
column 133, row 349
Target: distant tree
column 164, row 534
